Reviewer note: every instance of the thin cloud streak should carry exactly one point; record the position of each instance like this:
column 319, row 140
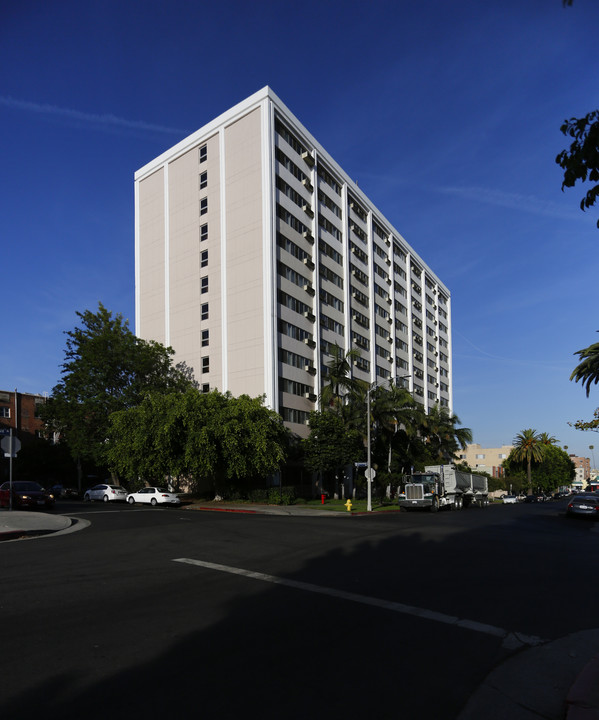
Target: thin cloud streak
column 516, row 201
column 106, row 119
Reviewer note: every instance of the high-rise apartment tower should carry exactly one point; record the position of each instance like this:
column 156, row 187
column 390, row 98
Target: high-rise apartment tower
column 255, row 254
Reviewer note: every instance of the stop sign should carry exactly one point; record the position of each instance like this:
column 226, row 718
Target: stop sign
column 11, row 445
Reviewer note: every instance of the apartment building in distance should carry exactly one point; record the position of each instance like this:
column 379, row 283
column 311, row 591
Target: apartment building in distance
column 18, row 412
column 489, row 460
column 255, row 254
column 582, row 466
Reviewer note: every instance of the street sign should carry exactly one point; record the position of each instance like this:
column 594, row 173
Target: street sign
column 4, row 431
column 370, row 474
column 360, row 464
column 11, row 445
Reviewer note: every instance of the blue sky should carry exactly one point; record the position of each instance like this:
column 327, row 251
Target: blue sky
column 447, row 114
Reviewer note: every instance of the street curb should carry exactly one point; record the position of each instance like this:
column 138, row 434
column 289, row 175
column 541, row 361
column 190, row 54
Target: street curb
column 223, row 509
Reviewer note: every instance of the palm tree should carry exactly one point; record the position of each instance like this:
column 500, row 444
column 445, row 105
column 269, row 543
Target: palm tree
column 395, row 412
column 340, row 385
column 443, row 438
column 546, row 439
column 588, row 369
column 528, row 447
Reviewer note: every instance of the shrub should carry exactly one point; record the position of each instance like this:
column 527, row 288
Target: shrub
column 281, row 496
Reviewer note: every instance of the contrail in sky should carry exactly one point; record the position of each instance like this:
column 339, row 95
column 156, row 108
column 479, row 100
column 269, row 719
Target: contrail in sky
column 105, row 119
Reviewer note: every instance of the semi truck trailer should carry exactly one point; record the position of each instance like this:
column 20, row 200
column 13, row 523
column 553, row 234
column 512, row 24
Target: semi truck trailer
column 442, row 486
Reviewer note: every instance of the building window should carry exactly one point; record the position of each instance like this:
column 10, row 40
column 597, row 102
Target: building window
column 205, row 388
column 204, row 314
column 204, row 258
column 480, row 456
column 204, row 232
column 294, row 416
column 203, row 180
column 4, row 412
column 205, row 338
column 205, row 364
column 204, row 284
column 203, row 206
column 203, row 153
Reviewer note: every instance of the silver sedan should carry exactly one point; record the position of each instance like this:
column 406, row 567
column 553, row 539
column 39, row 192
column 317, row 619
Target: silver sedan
column 585, row 504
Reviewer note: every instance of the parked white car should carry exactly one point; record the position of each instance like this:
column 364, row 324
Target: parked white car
column 509, row 499
column 153, row 496
column 105, row 492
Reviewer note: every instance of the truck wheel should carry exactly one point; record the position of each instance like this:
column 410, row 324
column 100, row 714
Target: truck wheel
column 435, row 505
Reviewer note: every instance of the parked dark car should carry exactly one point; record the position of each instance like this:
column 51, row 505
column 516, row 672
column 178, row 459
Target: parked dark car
column 586, row 504
column 25, row 494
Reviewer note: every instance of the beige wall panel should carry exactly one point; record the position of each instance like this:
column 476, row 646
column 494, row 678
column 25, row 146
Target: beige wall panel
column 186, row 298
column 245, row 262
column 151, row 257
column 184, row 256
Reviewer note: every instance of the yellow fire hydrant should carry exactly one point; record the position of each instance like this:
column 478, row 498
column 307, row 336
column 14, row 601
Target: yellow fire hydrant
column 348, row 505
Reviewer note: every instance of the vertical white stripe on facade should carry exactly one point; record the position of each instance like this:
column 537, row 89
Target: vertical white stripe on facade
column 223, row 261
column 411, row 368
column 167, row 270
column 449, row 351
column 316, row 273
column 347, row 296
column 371, row 279
column 269, row 249
column 137, row 264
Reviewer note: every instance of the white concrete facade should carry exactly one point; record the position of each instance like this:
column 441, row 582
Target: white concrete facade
column 255, row 253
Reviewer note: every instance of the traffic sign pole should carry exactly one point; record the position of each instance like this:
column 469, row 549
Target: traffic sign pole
column 11, row 446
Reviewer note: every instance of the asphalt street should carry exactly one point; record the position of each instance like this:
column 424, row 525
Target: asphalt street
column 172, row 612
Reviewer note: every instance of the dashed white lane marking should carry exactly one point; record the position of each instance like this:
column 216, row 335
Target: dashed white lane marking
column 509, row 638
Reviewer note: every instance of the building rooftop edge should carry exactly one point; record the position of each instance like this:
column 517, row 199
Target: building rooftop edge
column 250, row 103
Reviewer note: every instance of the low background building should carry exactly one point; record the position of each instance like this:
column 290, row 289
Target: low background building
column 487, row 460
column 18, row 412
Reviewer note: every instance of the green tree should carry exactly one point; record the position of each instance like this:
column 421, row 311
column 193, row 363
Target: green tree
column 340, row 387
column 528, row 448
column 587, row 424
column 106, row 369
column 587, row 371
column 211, row 437
column 442, row 436
column 397, row 420
column 331, row 444
column 581, row 160
column 553, row 471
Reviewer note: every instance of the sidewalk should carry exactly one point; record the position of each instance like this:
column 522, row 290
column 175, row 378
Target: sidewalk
column 254, row 509
column 16, row 524
column 555, row 681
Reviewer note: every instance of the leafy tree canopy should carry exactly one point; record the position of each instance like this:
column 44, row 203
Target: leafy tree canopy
column 210, row 437
column 331, row 445
column 588, row 424
column 581, row 160
column 529, row 447
column 552, row 471
column 106, row 369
